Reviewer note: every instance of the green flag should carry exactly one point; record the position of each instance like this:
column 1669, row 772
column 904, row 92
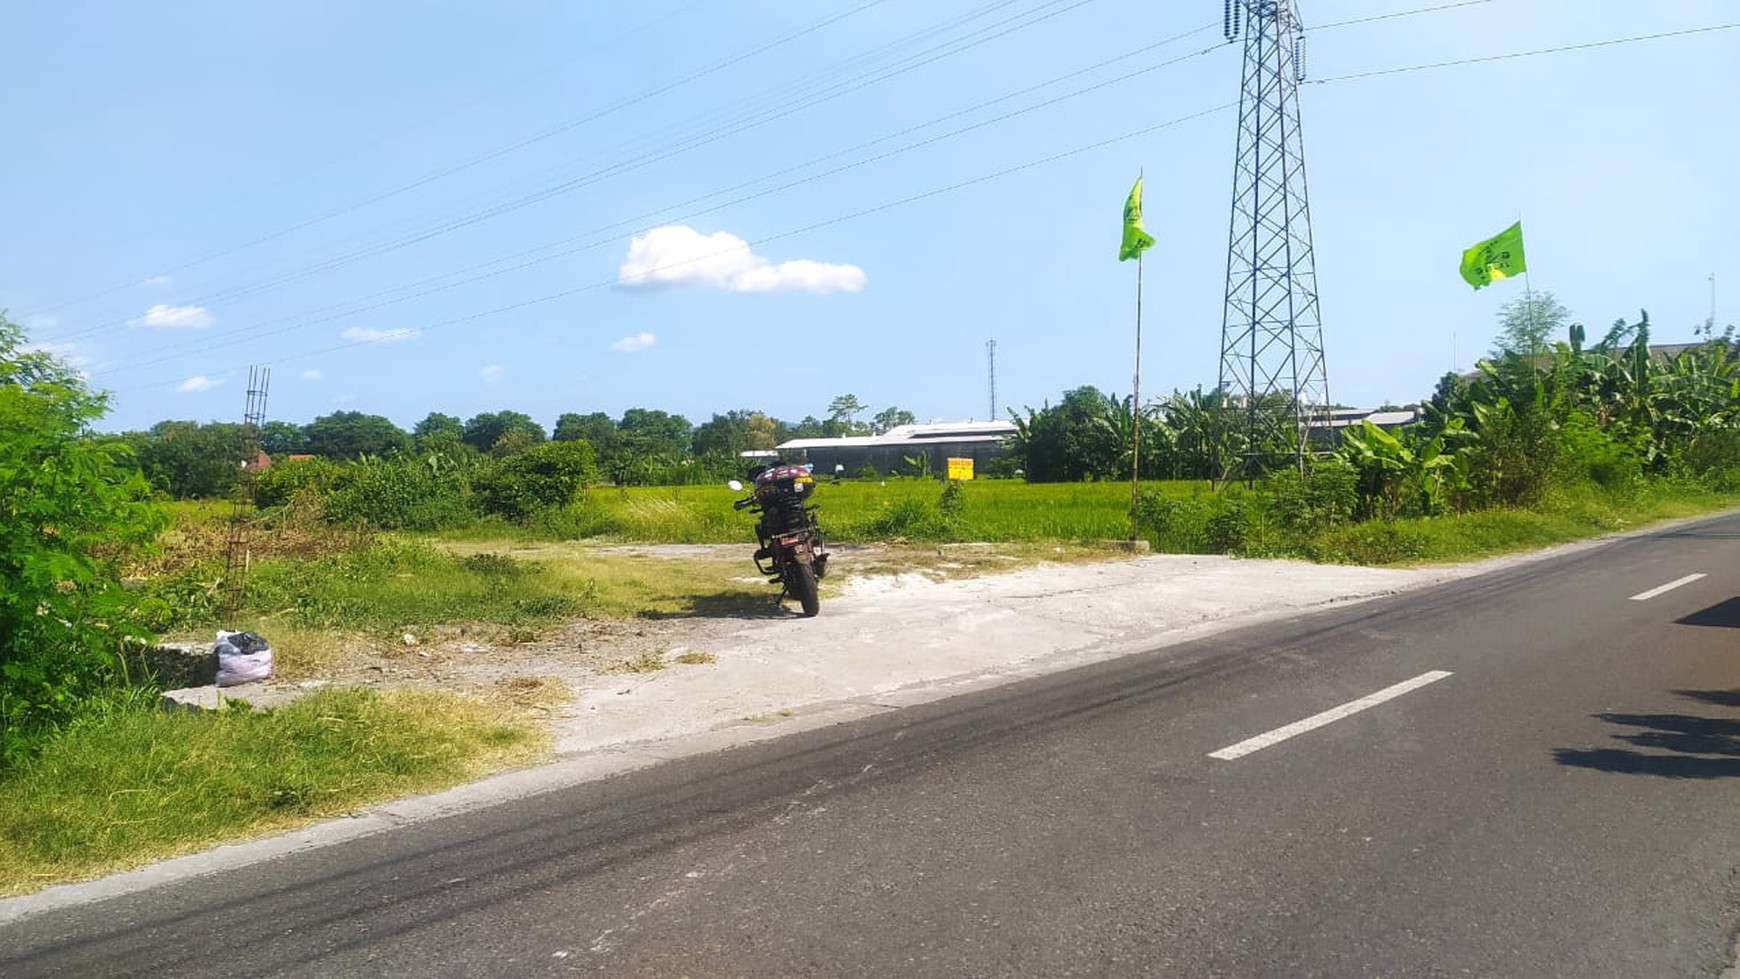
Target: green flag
column 1135, row 239
column 1498, row 257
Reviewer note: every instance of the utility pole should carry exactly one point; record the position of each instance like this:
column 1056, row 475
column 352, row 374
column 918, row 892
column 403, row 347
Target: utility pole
column 1272, row 372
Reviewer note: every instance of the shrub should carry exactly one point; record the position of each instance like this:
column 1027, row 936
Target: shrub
column 1714, row 451
column 71, row 505
column 952, row 504
column 1327, row 497
column 904, row 517
column 541, row 478
column 277, row 484
column 1587, row 452
column 1227, row 528
column 401, row 493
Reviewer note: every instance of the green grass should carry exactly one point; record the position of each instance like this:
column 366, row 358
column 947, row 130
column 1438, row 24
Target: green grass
column 1568, row 514
column 134, row 786
column 853, row 511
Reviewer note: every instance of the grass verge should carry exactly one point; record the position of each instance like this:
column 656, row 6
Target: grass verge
column 1567, row 515
column 121, row 790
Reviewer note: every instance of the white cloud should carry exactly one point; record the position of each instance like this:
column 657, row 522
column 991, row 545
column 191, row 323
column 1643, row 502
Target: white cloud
column 198, row 382
column 634, row 344
column 491, row 373
column 801, row 275
column 174, row 317
column 675, row 255
column 311, row 375
column 159, row 280
column 368, row 334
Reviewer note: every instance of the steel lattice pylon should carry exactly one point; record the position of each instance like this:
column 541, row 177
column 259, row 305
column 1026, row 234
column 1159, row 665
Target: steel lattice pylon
column 1272, row 375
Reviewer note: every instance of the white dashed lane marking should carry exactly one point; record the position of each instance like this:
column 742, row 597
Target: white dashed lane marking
column 1644, row 596
column 1331, row 715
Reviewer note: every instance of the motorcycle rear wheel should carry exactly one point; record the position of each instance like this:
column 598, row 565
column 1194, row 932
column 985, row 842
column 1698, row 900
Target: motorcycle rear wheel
column 803, row 587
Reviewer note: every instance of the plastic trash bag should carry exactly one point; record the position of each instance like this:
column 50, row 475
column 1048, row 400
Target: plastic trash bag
column 243, row 657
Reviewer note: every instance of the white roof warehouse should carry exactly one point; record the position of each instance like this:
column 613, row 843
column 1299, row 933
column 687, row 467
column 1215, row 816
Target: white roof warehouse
column 897, row 449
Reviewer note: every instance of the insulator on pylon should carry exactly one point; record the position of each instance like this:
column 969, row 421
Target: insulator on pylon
column 1230, row 19
column 1299, row 58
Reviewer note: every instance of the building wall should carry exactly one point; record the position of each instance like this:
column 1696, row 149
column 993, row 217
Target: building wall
column 887, row 459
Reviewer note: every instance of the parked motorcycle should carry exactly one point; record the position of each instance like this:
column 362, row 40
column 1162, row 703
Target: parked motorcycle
column 792, row 553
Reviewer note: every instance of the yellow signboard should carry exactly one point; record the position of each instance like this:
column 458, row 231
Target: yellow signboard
column 960, row 468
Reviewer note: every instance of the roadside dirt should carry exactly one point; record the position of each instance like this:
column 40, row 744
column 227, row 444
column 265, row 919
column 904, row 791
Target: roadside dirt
column 898, row 625
column 459, row 658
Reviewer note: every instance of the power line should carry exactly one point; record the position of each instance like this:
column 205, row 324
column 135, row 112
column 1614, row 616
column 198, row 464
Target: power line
column 995, row 175
column 794, row 232
column 202, row 345
column 500, row 151
column 250, row 335
column 1526, row 54
column 361, row 148
column 1399, row 13
column 633, row 163
column 302, row 321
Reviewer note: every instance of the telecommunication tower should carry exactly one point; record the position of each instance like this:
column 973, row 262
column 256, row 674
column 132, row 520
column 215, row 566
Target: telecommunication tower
column 1272, row 376
column 991, row 376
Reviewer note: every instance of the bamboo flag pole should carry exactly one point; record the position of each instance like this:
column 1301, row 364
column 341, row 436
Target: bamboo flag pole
column 1134, row 243
column 1136, row 406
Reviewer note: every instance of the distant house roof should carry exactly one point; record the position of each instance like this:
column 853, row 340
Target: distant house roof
column 911, row 435
column 1349, row 417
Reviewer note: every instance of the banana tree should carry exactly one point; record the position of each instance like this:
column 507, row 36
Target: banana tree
column 1403, row 473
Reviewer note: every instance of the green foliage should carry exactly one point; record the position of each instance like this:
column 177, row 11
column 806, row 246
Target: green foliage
column 737, row 431
column 1211, row 523
column 1526, row 322
column 399, row 585
column 403, row 492
column 512, row 430
column 437, row 426
column 952, row 504
column 129, row 786
column 1586, row 452
column 842, row 411
column 1374, row 542
column 1077, row 440
column 1326, row 498
column 352, row 434
column 544, row 477
column 596, row 428
column 188, row 460
column 280, row 438
column 71, row 505
column 1397, row 474
column 891, row 417
column 282, row 481
column 904, row 518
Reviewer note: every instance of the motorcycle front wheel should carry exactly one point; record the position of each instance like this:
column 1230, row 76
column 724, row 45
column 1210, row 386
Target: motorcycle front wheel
column 803, row 587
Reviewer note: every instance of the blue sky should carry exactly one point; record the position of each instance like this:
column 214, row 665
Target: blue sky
column 700, row 205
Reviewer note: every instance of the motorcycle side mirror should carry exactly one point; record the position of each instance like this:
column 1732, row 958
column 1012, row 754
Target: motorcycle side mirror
column 736, row 487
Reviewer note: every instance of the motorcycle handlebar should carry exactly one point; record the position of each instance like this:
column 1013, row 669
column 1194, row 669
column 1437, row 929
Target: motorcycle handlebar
column 740, row 504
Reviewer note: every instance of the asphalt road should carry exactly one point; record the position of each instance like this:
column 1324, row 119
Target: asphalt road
column 1529, row 773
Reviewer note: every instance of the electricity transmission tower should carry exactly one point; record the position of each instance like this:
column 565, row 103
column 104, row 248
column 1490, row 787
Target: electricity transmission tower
column 1273, row 384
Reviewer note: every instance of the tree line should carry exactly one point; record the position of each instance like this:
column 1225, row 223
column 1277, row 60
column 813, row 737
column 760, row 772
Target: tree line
column 194, row 460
